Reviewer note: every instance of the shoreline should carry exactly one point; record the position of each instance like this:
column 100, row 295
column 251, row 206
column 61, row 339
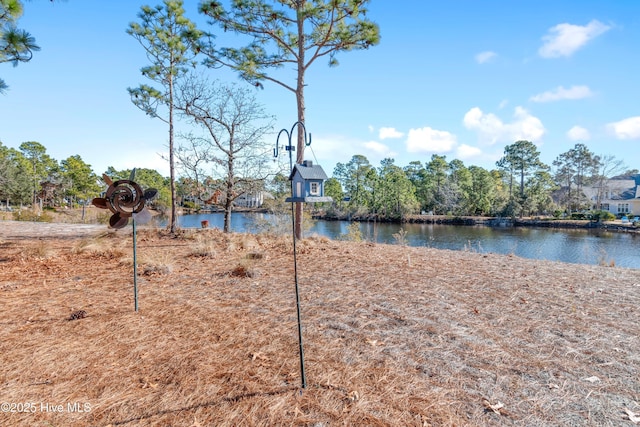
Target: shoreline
column 616, row 226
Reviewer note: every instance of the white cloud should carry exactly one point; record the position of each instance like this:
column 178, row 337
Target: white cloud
column 465, row 152
column 379, row 149
column 491, row 129
column 329, row 149
column 560, row 93
column 503, row 104
column 626, row 129
column 486, row 124
column 578, row 133
column 565, row 39
column 430, row 141
column 486, row 56
column 390, row 133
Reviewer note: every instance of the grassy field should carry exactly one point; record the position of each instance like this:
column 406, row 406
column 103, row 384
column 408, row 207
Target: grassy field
column 393, row 335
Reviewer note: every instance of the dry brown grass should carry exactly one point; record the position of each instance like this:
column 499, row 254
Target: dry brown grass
column 35, row 250
column 394, row 336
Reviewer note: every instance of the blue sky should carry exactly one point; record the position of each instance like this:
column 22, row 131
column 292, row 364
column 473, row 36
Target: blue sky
column 461, row 79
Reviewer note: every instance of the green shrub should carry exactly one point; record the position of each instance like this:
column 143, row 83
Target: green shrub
column 578, row 216
column 191, row 205
column 602, row 216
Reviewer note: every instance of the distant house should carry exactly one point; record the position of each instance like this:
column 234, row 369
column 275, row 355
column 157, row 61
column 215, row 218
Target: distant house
column 252, row 200
column 308, row 183
column 619, row 195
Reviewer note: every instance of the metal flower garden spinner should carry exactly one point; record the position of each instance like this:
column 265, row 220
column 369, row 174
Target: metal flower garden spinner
column 125, row 199
column 307, row 186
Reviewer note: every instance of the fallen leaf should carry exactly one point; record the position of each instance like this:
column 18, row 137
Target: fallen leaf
column 592, row 379
column 353, row 396
column 258, row 355
column 634, row 418
column 497, row 407
column 374, row 343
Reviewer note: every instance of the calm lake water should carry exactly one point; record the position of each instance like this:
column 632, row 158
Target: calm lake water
column 574, row 246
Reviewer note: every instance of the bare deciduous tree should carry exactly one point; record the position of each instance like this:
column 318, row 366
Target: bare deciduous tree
column 608, row 166
column 193, row 155
column 235, row 126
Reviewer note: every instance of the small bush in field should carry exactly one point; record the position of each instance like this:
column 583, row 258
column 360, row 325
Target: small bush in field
column 103, row 217
column 32, row 215
column 353, row 233
column 401, row 237
column 204, row 247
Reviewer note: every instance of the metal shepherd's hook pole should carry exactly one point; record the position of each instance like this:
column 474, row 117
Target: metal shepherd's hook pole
column 291, row 148
column 135, row 268
column 132, row 177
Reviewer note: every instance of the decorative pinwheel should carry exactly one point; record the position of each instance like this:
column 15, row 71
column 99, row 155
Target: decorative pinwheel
column 124, row 198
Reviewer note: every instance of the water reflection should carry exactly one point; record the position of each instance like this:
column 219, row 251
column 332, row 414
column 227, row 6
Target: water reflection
column 574, row 246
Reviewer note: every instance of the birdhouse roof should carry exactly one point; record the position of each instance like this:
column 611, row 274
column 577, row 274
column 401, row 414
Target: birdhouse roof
column 308, row 170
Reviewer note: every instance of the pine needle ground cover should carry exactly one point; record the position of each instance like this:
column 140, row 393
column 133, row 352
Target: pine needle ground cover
column 393, row 335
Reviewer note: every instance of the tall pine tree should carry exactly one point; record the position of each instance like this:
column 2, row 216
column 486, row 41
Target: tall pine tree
column 289, row 33
column 170, row 41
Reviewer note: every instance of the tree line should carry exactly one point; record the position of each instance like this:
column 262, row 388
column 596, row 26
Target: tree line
column 519, row 185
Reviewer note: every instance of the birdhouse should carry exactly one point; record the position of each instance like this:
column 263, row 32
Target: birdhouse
column 308, row 183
